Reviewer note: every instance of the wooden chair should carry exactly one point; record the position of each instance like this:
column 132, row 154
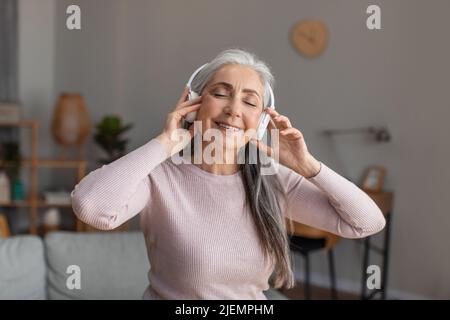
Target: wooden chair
column 304, row 240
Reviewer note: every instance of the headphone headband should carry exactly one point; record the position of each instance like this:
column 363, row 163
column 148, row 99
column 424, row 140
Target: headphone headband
column 270, row 103
column 195, row 74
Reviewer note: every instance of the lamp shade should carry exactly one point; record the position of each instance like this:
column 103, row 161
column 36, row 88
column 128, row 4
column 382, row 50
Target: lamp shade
column 71, row 124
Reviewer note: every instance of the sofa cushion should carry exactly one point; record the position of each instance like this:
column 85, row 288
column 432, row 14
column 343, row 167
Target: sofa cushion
column 274, row 294
column 111, row 265
column 22, row 268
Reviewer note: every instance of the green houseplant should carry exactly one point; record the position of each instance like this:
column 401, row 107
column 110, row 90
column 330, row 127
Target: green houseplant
column 109, row 136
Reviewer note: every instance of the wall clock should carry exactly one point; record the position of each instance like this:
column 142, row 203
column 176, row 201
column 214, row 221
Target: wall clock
column 309, row 37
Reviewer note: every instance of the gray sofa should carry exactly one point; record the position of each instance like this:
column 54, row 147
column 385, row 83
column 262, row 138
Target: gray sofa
column 111, row 266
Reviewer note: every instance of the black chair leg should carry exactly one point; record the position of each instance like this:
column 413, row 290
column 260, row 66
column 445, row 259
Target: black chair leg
column 332, row 275
column 307, row 278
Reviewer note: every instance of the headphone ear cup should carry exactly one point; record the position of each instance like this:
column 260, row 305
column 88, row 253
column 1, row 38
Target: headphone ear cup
column 263, row 123
column 192, row 95
column 265, row 117
column 190, row 117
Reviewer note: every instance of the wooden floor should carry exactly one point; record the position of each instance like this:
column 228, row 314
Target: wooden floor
column 317, row 293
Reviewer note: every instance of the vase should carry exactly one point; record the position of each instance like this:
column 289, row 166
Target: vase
column 71, row 124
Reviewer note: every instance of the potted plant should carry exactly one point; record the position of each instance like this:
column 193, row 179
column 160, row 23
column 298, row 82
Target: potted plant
column 108, row 136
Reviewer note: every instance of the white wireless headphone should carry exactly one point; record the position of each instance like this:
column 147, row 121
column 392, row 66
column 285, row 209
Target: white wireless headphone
column 263, row 121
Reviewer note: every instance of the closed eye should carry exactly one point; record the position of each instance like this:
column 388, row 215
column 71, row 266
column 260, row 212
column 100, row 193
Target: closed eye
column 222, row 95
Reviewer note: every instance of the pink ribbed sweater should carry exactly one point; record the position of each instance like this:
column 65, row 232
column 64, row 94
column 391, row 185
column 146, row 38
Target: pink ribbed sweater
column 201, row 241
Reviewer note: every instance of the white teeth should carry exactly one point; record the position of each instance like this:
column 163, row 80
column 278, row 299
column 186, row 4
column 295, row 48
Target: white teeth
column 228, row 127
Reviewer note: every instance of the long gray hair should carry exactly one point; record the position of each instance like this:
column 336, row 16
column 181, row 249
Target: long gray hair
column 262, row 191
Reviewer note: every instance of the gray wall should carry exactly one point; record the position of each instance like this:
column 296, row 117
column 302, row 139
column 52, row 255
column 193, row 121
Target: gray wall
column 133, row 58
column 36, row 63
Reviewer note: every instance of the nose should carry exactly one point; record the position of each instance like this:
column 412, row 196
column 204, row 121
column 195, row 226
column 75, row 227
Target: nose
column 233, row 109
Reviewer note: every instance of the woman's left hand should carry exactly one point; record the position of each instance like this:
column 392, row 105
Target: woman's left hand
column 293, row 152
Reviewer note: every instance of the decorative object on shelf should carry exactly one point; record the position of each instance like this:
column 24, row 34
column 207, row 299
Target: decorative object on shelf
column 5, row 187
column 379, row 134
column 51, row 220
column 57, row 197
column 4, row 229
column 9, row 113
column 373, row 179
column 18, row 190
column 71, row 124
column 309, row 37
column 109, row 137
column 11, row 160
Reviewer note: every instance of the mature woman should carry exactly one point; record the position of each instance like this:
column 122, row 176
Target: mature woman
column 216, row 230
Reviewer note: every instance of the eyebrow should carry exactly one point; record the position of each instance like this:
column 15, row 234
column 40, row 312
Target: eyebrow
column 230, row 86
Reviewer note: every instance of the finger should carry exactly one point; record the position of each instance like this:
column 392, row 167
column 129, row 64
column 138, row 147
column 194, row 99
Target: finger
column 280, row 120
column 272, row 125
column 275, row 125
column 188, row 103
column 272, row 112
column 291, row 131
column 183, row 95
column 283, row 121
column 184, row 111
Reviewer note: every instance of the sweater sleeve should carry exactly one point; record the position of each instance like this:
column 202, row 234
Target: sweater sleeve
column 330, row 202
column 111, row 195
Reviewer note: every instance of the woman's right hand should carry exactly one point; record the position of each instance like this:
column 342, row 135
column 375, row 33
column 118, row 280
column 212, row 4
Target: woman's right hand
column 172, row 138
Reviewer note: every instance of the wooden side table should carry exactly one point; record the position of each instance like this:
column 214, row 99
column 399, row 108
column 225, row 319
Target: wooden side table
column 384, row 200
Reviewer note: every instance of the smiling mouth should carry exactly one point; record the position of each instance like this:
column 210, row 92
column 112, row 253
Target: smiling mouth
column 227, row 127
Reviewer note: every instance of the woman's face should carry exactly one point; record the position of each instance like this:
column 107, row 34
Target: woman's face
column 232, row 103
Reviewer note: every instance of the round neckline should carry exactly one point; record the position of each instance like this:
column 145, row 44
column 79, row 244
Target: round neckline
column 199, row 171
